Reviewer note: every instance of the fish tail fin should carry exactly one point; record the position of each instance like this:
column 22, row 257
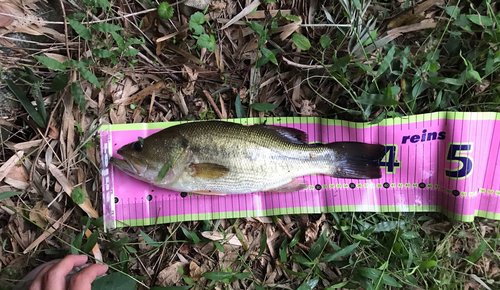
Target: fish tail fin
column 357, row 160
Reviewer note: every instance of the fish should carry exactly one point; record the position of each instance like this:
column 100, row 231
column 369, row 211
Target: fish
column 221, row 158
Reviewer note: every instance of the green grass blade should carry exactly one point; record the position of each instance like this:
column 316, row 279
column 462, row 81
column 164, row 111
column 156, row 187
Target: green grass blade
column 21, row 96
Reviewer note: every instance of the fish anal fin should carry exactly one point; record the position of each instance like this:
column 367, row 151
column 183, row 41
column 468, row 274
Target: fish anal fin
column 209, row 192
column 290, row 134
column 208, row 170
column 295, row 185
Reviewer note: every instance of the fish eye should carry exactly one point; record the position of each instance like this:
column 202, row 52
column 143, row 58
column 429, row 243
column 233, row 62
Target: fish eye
column 137, row 146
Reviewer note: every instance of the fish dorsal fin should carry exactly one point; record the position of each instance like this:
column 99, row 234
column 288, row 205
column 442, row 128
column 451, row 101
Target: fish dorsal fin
column 208, row 170
column 289, row 134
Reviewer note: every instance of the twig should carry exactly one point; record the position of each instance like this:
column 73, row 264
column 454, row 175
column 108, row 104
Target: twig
column 223, row 108
column 161, row 107
column 305, row 66
column 51, row 45
column 168, row 36
column 65, row 29
column 214, row 106
column 325, row 25
column 49, row 231
column 153, row 95
column 280, row 224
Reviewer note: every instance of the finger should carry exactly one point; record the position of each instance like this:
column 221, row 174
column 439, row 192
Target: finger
column 37, row 283
column 83, row 279
column 67, row 264
column 55, row 277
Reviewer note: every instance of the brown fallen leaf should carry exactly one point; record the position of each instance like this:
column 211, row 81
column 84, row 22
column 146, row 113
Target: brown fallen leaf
column 185, row 249
column 16, row 183
column 312, row 230
column 40, row 214
column 195, row 271
column 307, row 108
column 247, row 10
column 53, row 131
column 18, row 172
column 170, row 275
column 24, row 146
column 411, row 15
column 217, row 6
column 140, row 95
column 192, row 76
column 398, row 31
column 48, row 232
column 231, row 239
column 431, row 226
column 5, row 19
column 68, row 188
column 7, row 166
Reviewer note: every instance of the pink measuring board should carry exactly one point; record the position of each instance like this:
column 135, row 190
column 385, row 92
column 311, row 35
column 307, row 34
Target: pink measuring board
column 446, row 162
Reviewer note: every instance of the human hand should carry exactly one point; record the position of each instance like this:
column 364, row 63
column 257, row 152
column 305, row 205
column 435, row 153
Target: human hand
column 53, row 276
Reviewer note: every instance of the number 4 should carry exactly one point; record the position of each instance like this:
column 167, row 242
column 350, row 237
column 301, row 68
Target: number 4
column 389, row 159
column 456, row 154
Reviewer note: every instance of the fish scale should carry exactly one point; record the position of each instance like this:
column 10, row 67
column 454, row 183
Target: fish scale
column 227, row 158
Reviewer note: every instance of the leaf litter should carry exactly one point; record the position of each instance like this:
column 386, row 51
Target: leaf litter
column 174, row 78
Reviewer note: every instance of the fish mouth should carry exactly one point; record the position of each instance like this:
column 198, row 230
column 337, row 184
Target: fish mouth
column 126, row 165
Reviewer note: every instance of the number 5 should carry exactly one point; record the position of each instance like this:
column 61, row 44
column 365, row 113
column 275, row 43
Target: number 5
column 456, row 154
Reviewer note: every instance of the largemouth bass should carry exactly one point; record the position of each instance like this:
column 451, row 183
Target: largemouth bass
column 219, row 158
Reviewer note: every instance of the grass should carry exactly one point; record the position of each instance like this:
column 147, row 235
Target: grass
column 351, row 60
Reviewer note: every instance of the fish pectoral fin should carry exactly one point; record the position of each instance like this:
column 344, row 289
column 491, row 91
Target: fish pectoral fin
column 209, row 192
column 208, row 170
column 294, row 185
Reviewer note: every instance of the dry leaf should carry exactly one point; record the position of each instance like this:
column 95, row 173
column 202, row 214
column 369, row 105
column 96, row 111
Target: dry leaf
column 218, row 236
column 122, row 90
column 48, row 232
column 39, row 214
column 398, row 31
column 481, row 87
column 411, row 15
column 179, row 99
column 24, row 146
column 198, row 4
column 312, row 230
column 431, row 226
column 7, row 166
column 4, row 19
column 143, row 246
column 118, row 116
column 140, row 95
column 195, row 271
column 242, row 14
column 185, row 249
column 217, row 6
column 148, row 20
column 59, row 57
column 170, row 275
column 229, row 257
column 18, row 172
column 192, row 76
column 16, row 183
column 307, row 108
